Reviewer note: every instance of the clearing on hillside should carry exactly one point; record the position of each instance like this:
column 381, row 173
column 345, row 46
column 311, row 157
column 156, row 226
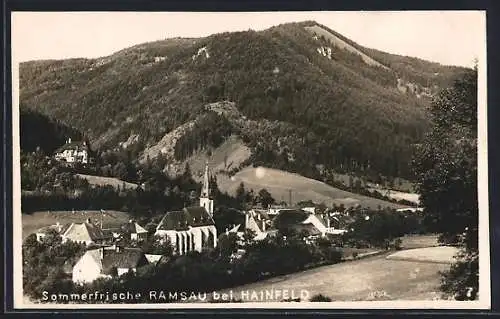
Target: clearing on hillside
column 343, row 45
column 228, row 156
column 279, row 183
column 111, row 181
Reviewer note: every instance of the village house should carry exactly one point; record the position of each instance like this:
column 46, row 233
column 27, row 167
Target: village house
column 136, row 231
column 73, row 152
column 57, row 229
column 258, row 221
column 322, row 222
column 85, row 233
column 108, row 262
column 192, row 228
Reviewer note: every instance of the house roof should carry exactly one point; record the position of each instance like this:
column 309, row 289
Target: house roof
column 134, row 228
column 108, row 232
column 306, row 229
column 124, row 258
column 194, row 216
column 290, row 217
column 84, row 232
column 323, row 219
column 235, row 229
column 259, row 213
column 153, row 258
column 72, row 146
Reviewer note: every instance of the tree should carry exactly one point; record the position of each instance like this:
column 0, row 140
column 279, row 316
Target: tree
column 241, row 193
column 265, row 198
column 445, row 167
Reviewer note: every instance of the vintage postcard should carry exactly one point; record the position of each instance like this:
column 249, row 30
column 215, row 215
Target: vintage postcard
column 170, row 160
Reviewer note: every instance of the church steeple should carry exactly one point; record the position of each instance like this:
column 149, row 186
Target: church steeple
column 205, row 190
column 205, row 200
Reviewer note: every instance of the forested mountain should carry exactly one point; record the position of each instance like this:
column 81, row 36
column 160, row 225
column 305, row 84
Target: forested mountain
column 38, row 130
column 302, row 96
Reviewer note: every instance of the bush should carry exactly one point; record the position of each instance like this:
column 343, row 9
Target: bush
column 397, row 244
column 320, row 298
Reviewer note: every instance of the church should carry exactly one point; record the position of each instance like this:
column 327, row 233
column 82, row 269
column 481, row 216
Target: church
column 192, row 228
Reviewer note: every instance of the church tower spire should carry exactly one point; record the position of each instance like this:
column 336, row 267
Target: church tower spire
column 205, row 190
column 205, row 200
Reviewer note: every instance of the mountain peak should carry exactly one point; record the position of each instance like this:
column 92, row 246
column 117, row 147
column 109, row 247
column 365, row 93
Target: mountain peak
column 302, row 93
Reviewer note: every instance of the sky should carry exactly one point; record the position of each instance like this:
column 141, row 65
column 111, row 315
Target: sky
column 447, row 37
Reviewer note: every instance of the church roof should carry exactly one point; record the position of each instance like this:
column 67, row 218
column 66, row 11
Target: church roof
column 193, row 216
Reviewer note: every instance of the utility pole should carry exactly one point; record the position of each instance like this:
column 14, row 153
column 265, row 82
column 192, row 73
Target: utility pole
column 102, row 218
column 290, row 197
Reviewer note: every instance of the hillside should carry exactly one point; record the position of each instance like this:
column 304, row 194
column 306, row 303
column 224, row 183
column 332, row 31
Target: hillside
column 301, row 100
column 112, row 181
column 44, row 132
column 279, row 183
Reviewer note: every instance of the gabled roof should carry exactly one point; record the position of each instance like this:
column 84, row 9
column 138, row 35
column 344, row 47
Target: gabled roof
column 306, row 229
column 153, row 258
column 124, row 258
column 290, row 217
column 322, row 219
column 235, row 229
column 73, row 145
column 84, row 232
column 194, row 216
column 134, row 228
column 259, row 213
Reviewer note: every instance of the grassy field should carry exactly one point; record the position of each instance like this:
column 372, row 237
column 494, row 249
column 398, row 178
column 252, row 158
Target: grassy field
column 442, row 254
column 419, row 241
column 36, row 220
column 360, row 280
column 278, row 183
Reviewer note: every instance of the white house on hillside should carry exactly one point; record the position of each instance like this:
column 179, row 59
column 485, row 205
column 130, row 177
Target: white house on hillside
column 73, row 152
column 322, row 224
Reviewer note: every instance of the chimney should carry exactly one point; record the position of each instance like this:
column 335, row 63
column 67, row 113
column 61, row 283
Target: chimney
column 263, row 225
column 69, row 140
column 328, row 221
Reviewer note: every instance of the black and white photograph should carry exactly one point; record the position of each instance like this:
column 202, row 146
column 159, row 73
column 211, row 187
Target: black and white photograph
column 322, row 159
